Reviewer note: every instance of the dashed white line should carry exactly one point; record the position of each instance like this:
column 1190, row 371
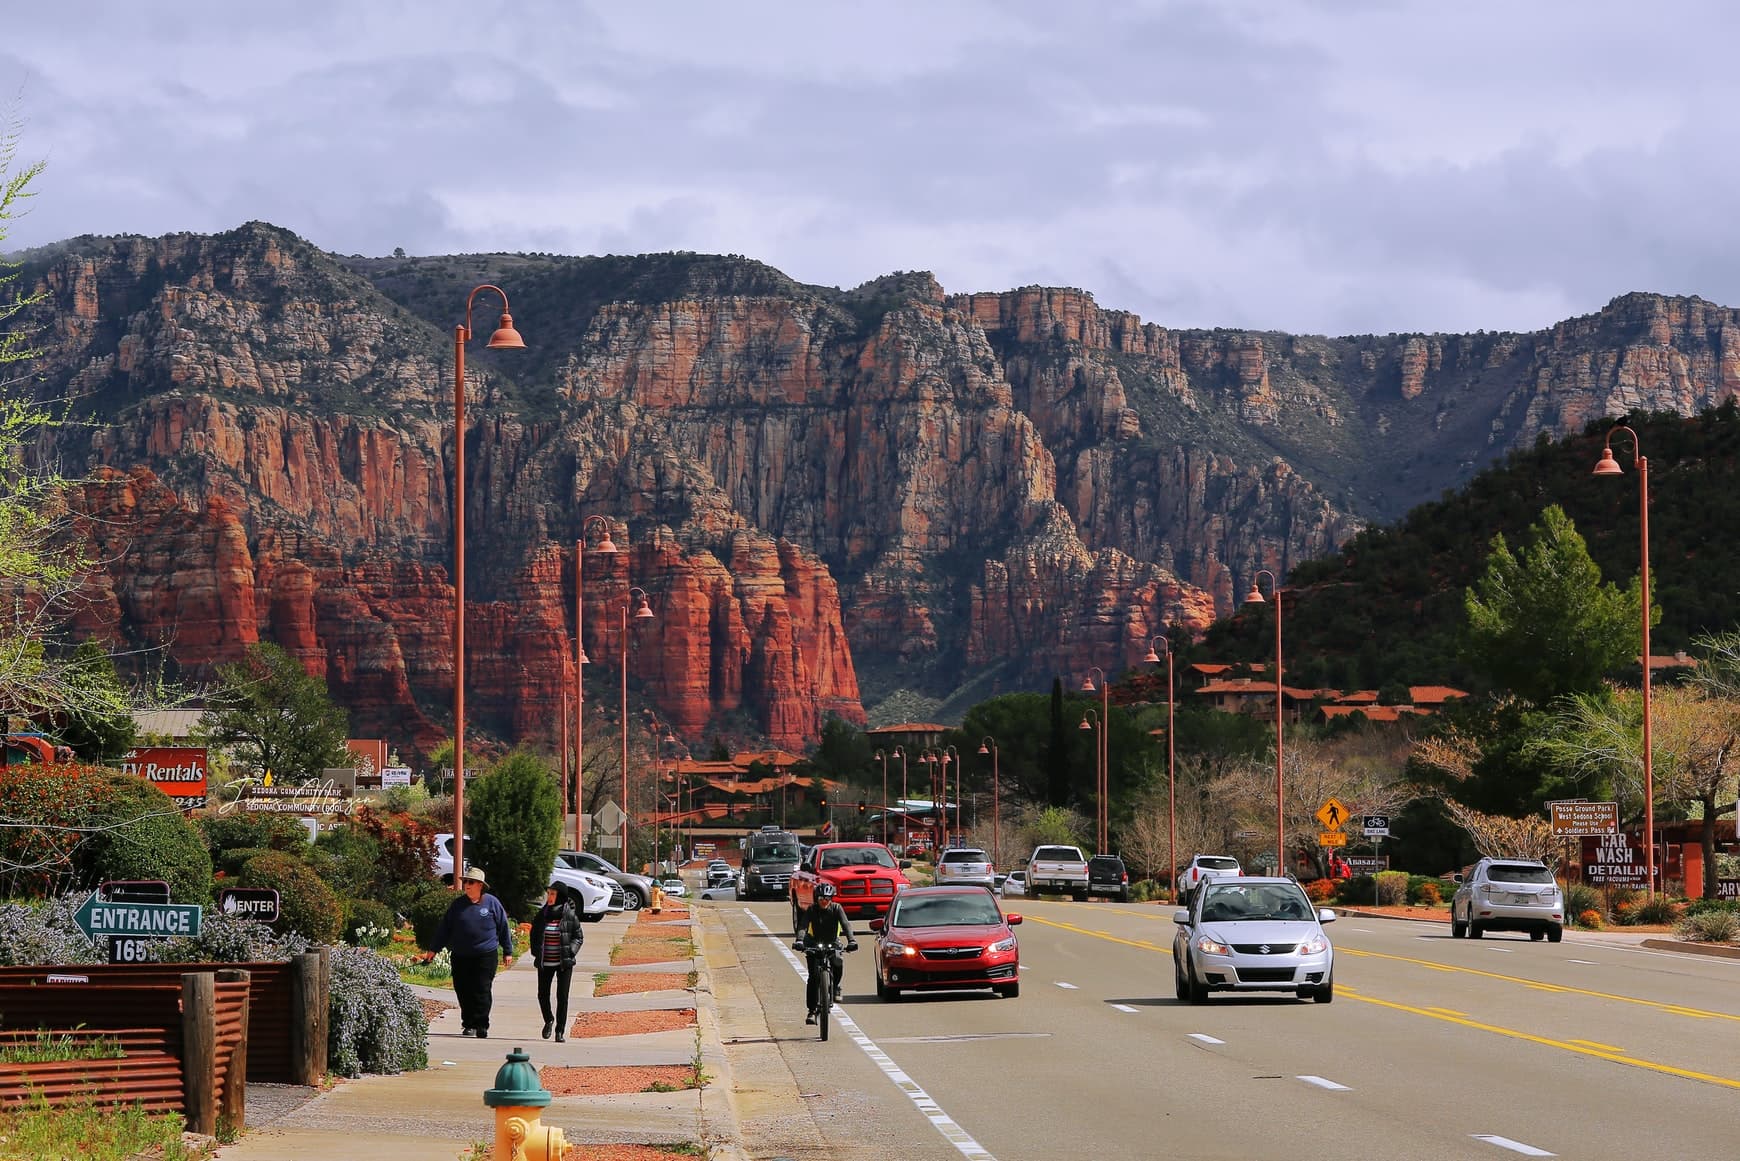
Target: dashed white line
column 1321, row 1082
column 1585, row 962
column 1127, row 1008
column 1513, row 1146
column 1061, row 984
column 1205, row 1038
column 1362, row 930
column 943, row 1123
column 1500, row 950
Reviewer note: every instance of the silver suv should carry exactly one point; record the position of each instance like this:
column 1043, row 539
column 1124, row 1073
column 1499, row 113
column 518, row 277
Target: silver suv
column 1508, row 895
column 965, row 865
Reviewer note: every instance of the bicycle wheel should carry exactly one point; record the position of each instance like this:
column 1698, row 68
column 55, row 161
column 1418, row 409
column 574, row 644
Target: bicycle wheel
column 825, row 990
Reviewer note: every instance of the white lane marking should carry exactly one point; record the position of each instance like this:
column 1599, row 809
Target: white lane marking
column 1205, row 1038
column 943, row 1123
column 1585, row 962
column 1365, row 930
column 1320, row 1082
column 1513, row 1146
column 1127, row 1008
column 1500, row 950
column 1061, row 984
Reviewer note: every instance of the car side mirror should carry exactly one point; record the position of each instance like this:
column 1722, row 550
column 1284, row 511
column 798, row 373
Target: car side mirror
column 1012, row 919
column 1325, row 916
column 1182, row 915
column 905, row 864
column 877, row 924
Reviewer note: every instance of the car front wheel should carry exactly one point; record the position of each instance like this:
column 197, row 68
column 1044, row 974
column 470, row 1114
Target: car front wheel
column 1325, row 994
column 632, row 899
column 1009, row 991
column 1458, row 929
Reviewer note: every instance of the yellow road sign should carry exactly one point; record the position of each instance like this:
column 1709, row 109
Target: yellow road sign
column 1332, row 814
column 1332, row 838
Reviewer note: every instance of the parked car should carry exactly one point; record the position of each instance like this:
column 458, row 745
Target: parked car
column 599, row 896
column 1508, row 895
column 636, row 889
column 1108, row 876
column 1015, row 885
column 936, row 938
column 965, row 865
column 443, row 862
column 1244, row 934
column 1202, row 868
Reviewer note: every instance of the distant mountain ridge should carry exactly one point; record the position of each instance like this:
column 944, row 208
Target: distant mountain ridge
column 831, row 495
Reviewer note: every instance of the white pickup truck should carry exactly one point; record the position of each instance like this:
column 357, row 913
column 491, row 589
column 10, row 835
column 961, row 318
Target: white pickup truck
column 1057, row 870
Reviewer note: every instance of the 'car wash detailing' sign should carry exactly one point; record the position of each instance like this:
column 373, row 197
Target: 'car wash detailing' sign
column 178, row 771
column 1614, row 860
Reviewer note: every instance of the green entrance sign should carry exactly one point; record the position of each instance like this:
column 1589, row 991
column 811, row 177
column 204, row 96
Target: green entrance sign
column 97, row 918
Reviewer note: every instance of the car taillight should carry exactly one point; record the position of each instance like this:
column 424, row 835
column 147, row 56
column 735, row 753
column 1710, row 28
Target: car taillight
column 1124, row 878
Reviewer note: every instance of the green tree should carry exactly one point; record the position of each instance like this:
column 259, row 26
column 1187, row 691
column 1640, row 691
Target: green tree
column 273, row 715
column 513, row 818
column 843, row 754
column 102, row 729
column 1543, row 624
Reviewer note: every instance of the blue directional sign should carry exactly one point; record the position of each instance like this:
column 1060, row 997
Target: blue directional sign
column 96, row 918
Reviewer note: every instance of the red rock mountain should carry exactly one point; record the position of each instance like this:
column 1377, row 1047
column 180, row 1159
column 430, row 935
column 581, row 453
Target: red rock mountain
column 828, row 495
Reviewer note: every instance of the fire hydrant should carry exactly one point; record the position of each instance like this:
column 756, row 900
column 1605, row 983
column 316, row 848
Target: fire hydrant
column 518, row 1100
column 658, row 899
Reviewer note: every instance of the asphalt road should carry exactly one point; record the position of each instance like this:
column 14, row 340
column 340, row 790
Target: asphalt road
column 1434, row 1048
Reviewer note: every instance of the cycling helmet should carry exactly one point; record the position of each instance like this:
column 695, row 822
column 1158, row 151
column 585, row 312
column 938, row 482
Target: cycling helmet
column 825, row 892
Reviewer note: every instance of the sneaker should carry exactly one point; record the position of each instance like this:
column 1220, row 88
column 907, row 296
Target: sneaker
column 482, row 1034
column 469, row 1032
column 548, row 1025
column 810, row 1019
column 836, row 995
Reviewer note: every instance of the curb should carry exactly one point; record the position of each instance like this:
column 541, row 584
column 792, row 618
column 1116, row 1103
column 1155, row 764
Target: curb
column 1719, row 950
column 719, row 1130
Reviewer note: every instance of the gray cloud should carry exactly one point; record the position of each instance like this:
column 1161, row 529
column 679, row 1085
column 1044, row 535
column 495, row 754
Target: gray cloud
column 1309, row 166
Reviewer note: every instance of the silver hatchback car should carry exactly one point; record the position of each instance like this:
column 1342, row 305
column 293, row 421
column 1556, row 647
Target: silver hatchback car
column 1508, row 895
column 1250, row 934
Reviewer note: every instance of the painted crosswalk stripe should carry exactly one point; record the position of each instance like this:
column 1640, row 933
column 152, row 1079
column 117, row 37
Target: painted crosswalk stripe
column 1321, row 1082
column 1513, row 1146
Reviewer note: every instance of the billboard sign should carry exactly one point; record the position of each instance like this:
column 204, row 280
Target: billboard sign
column 178, row 771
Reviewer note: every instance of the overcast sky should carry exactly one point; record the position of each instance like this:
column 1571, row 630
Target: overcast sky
column 1338, row 166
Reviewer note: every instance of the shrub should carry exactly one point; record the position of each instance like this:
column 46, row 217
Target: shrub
column 46, row 933
column 375, row 1020
column 1357, row 889
column 1700, row 906
column 1657, row 912
column 350, row 861
column 230, row 862
column 426, row 911
column 1590, row 919
column 142, row 834
column 1710, row 927
column 1392, row 888
column 367, row 923
column 306, row 905
column 1430, row 894
column 47, row 804
column 274, row 832
column 404, row 846
column 230, row 939
column 513, row 819
column 1581, row 897
column 1320, row 890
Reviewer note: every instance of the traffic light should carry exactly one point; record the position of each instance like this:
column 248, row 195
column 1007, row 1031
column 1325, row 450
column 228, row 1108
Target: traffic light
column 824, row 802
column 861, row 808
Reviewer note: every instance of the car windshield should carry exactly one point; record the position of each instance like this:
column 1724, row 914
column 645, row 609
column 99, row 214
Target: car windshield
column 857, row 857
column 774, row 853
column 943, row 910
column 1518, row 873
column 1253, row 902
column 963, row 856
column 1217, row 863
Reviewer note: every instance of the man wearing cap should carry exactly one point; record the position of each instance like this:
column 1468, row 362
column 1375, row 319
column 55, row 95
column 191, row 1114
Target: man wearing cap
column 474, row 931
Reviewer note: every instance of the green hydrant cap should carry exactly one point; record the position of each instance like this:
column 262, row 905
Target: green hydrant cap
column 516, row 1083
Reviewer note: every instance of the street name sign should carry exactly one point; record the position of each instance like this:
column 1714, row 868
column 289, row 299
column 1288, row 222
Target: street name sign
column 1376, row 825
column 1246, row 835
column 1580, row 819
column 1332, row 814
column 96, row 918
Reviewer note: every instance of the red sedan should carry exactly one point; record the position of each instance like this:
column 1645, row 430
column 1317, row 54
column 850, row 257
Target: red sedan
column 938, row 938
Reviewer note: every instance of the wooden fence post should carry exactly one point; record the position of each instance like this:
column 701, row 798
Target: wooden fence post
column 199, row 1051
column 309, row 987
column 233, row 1105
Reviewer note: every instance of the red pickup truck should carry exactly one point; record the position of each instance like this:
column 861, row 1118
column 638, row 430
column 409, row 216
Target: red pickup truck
column 865, row 878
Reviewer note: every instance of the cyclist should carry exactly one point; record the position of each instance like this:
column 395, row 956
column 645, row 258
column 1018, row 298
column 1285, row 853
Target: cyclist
column 823, row 922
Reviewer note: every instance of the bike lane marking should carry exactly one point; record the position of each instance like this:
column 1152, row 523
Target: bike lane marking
column 944, row 1124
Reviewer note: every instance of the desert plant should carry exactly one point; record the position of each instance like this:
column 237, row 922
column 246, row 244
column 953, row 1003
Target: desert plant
column 1392, row 888
column 1657, row 912
column 376, row 1021
column 46, row 933
column 1581, row 897
column 230, row 939
column 1700, row 906
column 1590, row 919
column 1710, row 927
column 306, row 905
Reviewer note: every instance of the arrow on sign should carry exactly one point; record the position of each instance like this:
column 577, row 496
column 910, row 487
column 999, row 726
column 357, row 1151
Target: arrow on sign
column 96, row 918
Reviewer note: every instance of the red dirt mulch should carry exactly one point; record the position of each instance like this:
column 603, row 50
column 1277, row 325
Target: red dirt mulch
column 653, row 931
column 433, row 1008
column 621, row 983
column 625, row 1153
column 668, row 915
column 632, row 1023
column 615, row 1079
column 624, row 954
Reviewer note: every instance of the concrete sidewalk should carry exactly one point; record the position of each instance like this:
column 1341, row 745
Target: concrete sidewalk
column 439, row 1112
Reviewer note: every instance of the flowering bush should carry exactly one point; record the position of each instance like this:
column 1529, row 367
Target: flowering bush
column 1430, row 895
column 46, row 933
column 230, row 939
column 1590, row 919
column 1320, row 890
column 376, row 1020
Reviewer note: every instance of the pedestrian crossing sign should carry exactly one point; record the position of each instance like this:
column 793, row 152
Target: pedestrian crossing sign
column 1332, row 814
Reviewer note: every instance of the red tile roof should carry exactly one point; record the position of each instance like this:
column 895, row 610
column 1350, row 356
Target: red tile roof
column 910, row 728
column 1433, row 694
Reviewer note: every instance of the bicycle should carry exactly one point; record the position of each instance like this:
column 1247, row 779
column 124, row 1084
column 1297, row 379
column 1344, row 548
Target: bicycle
column 821, row 965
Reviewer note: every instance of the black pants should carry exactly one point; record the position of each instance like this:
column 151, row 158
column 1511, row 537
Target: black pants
column 815, row 978
column 473, row 979
column 562, row 977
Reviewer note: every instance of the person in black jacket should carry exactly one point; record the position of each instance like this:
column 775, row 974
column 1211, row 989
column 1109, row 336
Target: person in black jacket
column 556, row 939
column 822, row 924
column 474, row 930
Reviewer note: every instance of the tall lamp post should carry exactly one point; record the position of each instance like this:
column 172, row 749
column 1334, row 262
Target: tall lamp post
column 641, row 613
column 1255, row 597
column 905, row 821
column 883, row 758
column 1091, row 720
column 960, row 790
column 504, row 338
column 1610, row 467
column 988, row 745
column 1171, row 766
column 928, row 757
column 1102, row 760
column 581, row 660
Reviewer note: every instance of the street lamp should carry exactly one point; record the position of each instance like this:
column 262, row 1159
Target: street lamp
column 988, row 745
column 1171, row 767
column 1610, row 467
column 641, row 613
column 504, row 338
column 1099, row 724
column 581, row 660
column 1255, row 597
column 883, row 758
column 928, row 757
column 960, row 790
column 905, row 821
column 1102, row 759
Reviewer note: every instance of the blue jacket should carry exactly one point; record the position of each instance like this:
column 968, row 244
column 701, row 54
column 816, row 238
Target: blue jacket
column 474, row 928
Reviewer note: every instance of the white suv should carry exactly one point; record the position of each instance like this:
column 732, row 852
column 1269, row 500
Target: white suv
column 1508, row 895
column 1202, row 868
column 965, row 866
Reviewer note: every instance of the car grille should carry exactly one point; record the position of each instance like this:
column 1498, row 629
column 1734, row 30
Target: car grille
column 954, row 952
column 867, row 887
column 1266, row 948
column 1266, row 975
column 974, row 975
column 617, row 898
column 766, row 880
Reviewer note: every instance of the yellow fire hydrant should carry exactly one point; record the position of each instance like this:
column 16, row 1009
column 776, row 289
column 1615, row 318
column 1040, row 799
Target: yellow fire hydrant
column 658, row 899
column 518, row 1100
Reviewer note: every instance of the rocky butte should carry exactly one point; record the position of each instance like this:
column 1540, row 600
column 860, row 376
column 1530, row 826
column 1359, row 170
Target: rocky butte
column 830, row 495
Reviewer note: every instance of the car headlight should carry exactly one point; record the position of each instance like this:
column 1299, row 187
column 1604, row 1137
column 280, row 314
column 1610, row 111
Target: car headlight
column 891, row 948
column 1003, row 945
column 1209, row 945
column 1316, row 945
